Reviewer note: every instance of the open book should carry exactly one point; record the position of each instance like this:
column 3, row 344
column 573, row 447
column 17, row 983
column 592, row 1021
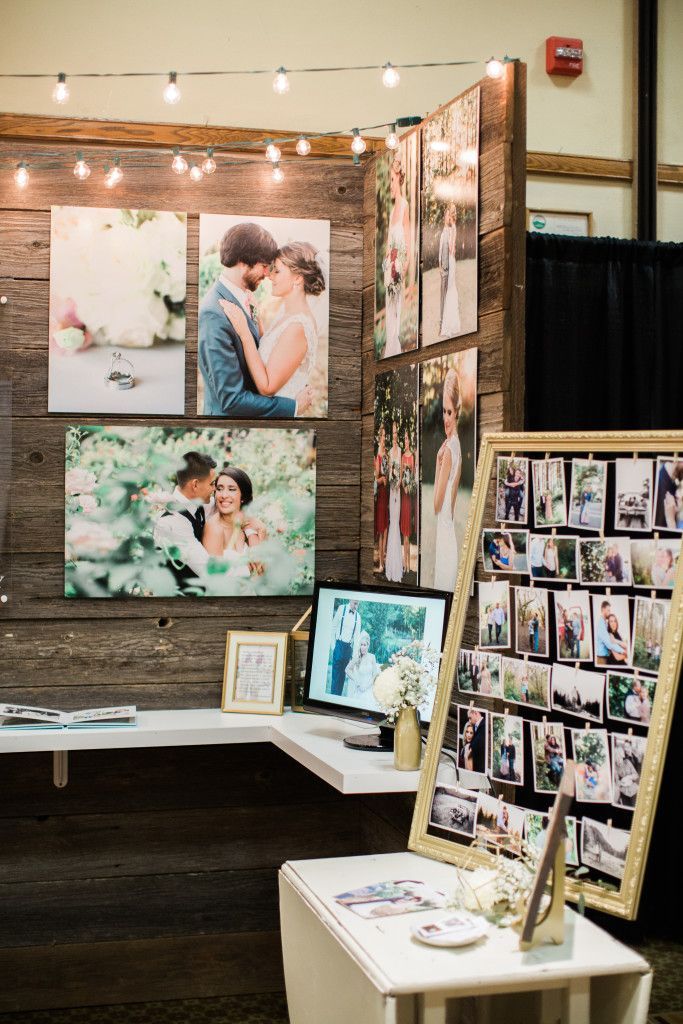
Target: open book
column 19, row 716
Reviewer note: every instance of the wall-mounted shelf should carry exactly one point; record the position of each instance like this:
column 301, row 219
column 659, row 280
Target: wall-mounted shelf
column 313, row 740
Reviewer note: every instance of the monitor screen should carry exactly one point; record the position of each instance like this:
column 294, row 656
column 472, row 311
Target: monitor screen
column 355, row 630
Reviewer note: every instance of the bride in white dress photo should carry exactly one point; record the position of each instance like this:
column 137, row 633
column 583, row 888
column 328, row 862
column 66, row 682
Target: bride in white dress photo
column 396, row 258
column 446, row 483
column 450, row 317
column 362, row 670
column 393, row 566
column 283, row 363
column 229, row 534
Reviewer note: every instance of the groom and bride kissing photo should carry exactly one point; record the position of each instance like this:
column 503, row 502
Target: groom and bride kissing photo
column 263, row 318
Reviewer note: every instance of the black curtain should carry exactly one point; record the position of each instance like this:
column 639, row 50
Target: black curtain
column 604, row 350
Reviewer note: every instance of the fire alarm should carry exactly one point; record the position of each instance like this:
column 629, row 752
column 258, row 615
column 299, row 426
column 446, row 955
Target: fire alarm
column 564, row 56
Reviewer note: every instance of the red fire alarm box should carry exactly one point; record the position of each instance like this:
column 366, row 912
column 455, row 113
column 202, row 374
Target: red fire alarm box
column 564, row 56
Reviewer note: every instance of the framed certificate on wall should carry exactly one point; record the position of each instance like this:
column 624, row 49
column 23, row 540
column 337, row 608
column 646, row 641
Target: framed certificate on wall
column 254, row 677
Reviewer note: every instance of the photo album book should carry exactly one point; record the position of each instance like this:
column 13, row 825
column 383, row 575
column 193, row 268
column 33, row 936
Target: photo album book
column 19, row 716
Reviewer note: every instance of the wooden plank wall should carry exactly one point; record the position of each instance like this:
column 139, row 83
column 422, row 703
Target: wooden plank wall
column 500, row 337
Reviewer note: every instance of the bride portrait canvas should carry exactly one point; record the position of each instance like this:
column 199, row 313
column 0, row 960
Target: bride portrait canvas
column 450, row 220
column 264, row 302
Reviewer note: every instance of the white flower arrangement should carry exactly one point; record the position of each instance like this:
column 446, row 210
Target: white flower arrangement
column 501, row 892
column 409, row 679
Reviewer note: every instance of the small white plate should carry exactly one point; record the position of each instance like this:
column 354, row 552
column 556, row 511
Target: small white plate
column 458, row 929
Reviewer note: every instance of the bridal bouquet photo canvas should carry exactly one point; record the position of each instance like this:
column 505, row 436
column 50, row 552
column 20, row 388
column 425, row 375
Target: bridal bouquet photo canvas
column 264, row 309
column 178, row 512
column 117, row 311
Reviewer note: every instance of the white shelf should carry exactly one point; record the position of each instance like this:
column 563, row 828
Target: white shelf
column 313, row 740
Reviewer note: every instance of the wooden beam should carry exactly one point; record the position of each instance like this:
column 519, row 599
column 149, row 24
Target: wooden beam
column 570, row 166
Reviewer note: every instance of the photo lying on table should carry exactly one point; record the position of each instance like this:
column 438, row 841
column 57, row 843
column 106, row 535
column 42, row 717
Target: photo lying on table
column 450, row 217
column 628, row 754
column 577, row 692
column 549, row 755
column 473, row 739
column 512, row 490
column 606, row 562
column 448, row 439
column 531, row 614
column 591, row 766
column 573, row 625
column 178, row 512
column 612, row 626
column 550, row 502
column 630, row 697
column 505, row 550
column 479, row 672
column 587, row 495
column 397, row 248
column 494, row 614
column 526, row 682
column 117, row 311
column 650, row 618
column 536, row 827
column 500, row 823
column 655, row 562
column 387, row 899
column 507, row 749
column 396, row 475
column 603, row 847
column 554, row 558
column 633, row 495
column 454, row 809
column 264, row 310
column 668, row 513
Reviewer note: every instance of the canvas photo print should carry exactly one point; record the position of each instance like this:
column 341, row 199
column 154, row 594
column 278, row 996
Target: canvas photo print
column 479, row 672
column 605, row 561
column 264, row 310
column 550, row 502
column 494, row 614
column 587, row 494
column 500, row 823
column 526, row 682
column 549, row 755
column 554, row 558
column 630, row 697
column 117, row 311
column 612, row 626
column 531, row 614
column 573, row 625
column 505, row 550
column 577, row 692
column 512, row 490
column 396, row 474
column 591, row 766
column 450, row 220
column 454, row 809
column 633, row 497
column 448, row 437
column 603, row 847
column 178, row 512
column 507, row 749
column 473, row 739
column 668, row 510
column 397, row 248
column 655, row 562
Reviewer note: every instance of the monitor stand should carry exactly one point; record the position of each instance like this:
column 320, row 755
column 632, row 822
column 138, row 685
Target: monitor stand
column 382, row 740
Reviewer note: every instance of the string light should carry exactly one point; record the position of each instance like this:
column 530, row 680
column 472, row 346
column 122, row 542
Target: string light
column 281, row 81
column 356, row 160
column 358, row 144
column 21, row 176
column 81, row 169
column 278, row 174
column 390, row 76
column 209, row 164
column 391, row 141
column 303, row 146
column 272, row 152
column 196, row 173
column 178, row 163
column 113, row 175
column 60, row 93
column 494, row 67
column 171, row 91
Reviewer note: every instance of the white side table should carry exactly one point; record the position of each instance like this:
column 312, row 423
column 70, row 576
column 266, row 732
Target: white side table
column 342, row 969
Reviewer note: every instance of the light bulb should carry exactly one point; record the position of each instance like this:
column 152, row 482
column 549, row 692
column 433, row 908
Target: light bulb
column 81, row 169
column 21, row 176
column 196, row 173
column 178, row 163
column 358, row 144
column 272, row 153
column 391, row 141
column 281, row 82
column 208, row 163
column 60, row 93
column 469, row 156
column 494, row 67
column 171, row 91
column 439, row 146
column 303, row 146
column 113, row 174
column 390, row 76
column 278, row 174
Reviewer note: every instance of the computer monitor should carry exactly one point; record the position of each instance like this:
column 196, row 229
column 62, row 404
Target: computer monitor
column 355, row 629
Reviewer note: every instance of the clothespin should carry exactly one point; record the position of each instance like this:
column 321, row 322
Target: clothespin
column 609, row 823
column 506, row 711
column 532, row 583
column 547, row 456
column 526, row 659
column 653, row 594
column 545, row 720
column 512, row 455
column 629, row 731
column 636, row 674
column 493, row 579
column 635, row 456
column 602, row 533
column 553, row 532
column 608, row 591
column 576, row 666
column 587, row 726
column 569, row 586
column 471, row 705
column 656, row 535
column 590, row 457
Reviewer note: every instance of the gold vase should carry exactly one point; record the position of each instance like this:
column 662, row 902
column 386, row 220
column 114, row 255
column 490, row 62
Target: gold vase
column 407, row 741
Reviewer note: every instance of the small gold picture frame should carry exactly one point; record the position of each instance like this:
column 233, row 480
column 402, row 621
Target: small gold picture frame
column 255, row 669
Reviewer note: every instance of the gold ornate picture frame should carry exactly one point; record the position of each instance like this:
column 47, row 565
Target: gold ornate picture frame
column 255, row 669
column 615, row 893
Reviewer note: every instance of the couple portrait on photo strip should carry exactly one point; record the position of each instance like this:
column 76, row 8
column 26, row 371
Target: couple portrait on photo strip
column 249, row 373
